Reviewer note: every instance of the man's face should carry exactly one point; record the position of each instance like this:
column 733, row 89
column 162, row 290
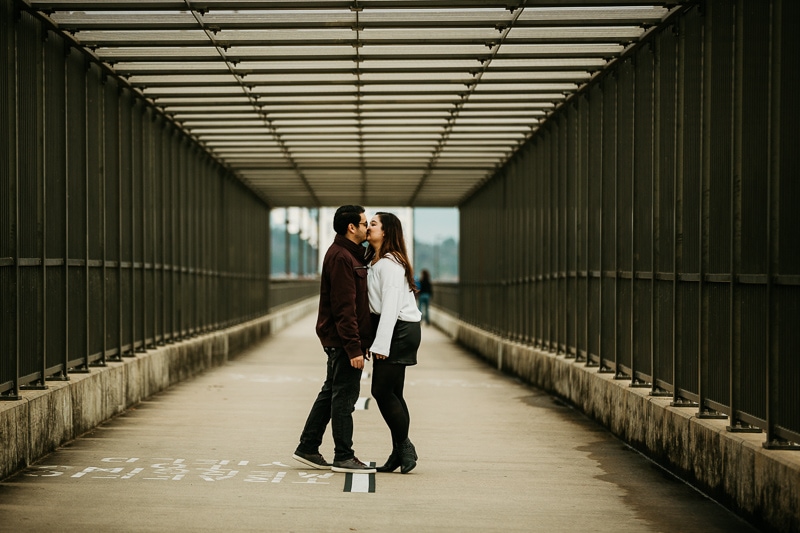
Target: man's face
column 361, row 230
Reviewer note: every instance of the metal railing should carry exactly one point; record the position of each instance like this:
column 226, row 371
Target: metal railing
column 283, row 292
column 447, row 295
column 117, row 231
column 649, row 228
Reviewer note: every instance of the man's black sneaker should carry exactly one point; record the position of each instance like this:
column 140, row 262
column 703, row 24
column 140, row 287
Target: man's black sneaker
column 353, row 466
column 314, row 460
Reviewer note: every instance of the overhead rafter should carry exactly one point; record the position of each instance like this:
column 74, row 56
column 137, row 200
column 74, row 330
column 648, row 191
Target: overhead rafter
column 394, row 102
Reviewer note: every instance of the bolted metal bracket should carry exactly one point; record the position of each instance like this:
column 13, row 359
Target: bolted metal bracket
column 36, row 385
column 9, row 397
column 711, row 414
column 683, row 402
column 780, row 444
column 659, row 392
column 741, row 427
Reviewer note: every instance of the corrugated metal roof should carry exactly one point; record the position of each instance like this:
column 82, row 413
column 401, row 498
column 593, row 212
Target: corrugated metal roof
column 379, row 102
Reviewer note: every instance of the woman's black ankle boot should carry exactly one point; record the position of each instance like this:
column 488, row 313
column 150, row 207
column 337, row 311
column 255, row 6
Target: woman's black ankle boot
column 408, row 456
column 391, row 463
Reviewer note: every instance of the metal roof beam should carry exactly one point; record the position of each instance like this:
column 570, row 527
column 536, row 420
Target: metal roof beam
column 112, row 55
column 226, row 5
column 135, row 21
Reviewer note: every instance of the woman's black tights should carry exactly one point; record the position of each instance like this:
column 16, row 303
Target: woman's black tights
column 387, row 389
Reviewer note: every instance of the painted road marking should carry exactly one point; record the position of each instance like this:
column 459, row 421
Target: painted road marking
column 149, row 470
column 359, row 482
column 362, row 404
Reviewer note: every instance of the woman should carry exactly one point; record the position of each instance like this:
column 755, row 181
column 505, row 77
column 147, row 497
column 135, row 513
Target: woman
column 392, row 303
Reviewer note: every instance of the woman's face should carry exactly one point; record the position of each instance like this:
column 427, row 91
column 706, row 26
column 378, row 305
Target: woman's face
column 375, row 233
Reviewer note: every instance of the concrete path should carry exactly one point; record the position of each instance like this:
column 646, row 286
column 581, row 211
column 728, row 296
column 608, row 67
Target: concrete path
column 214, row 454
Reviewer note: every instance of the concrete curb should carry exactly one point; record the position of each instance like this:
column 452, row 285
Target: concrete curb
column 42, row 420
column 761, row 485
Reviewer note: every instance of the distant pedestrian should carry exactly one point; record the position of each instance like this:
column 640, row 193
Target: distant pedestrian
column 425, row 294
column 397, row 333
column 345, row 330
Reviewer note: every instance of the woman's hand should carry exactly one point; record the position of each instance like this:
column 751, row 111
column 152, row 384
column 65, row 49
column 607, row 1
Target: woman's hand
column 379, row 356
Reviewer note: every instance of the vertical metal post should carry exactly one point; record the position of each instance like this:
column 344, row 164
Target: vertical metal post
column 551, row 226
column 301, row 246
column 570, row 206
column 131, row 222
column 148, row 213
column 652, row 154
column 773, row 181
column 65, row 235
column 538, row 233
column 771, row 347
column 655, row 115
column 555, row 235
column 563, row 235
column 42, row 154
column 86, row 141
column 632, row 300
column 172, row 228
column 146, row 170
column 586, row 225
column 734, row 358
column 677, row 177
column 601, row 241
column 734, row 345
column 15, row 233
column 567, row 237
column 530, row 278
column 120, row 220
column 67, row 53
column 103, row 176
column 287, row 243
column 614, row 116
column 579, row 154
column 704, row 187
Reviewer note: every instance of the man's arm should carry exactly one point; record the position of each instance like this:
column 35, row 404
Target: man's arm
column 343, row 307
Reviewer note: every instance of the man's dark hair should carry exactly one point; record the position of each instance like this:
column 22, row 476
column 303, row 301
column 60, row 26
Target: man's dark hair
column 346, row 215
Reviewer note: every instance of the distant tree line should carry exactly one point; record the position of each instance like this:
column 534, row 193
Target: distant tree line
column 440, row 259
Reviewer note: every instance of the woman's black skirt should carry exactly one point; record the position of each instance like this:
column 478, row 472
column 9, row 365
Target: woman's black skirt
column 405, row 342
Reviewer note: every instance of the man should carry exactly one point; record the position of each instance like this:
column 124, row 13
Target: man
column 345, row 331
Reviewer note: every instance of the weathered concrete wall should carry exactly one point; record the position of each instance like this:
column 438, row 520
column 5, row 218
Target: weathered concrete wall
column 733, row 468
column 42, row 420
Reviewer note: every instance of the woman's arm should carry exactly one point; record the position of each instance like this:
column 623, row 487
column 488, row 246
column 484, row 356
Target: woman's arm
column 392, row 283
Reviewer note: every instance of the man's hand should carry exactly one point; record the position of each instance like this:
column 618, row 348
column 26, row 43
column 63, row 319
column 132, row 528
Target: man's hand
column 357, row 362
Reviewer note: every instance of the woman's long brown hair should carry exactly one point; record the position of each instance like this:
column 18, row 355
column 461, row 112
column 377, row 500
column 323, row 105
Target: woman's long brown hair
column 394, row 244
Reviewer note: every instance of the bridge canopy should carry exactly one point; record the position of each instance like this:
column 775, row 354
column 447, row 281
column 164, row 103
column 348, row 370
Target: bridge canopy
column 402, row 102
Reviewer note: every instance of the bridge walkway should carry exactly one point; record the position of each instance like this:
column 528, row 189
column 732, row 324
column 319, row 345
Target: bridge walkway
column 214, row 454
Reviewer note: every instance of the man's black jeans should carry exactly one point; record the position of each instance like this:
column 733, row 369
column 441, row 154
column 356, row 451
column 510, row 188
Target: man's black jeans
column 335, row 402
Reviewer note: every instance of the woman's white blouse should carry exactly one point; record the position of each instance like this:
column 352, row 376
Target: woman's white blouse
column 391, row 297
